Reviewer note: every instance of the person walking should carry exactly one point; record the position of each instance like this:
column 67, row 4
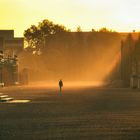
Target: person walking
column 60, row 85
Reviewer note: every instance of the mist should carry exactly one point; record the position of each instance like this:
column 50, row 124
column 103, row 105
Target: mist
column 84, row 58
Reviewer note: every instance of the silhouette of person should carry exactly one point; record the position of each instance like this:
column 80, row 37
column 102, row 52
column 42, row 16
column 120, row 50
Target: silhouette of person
column 60, row 85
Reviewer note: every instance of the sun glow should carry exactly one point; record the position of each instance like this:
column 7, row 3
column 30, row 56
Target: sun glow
column 118, row 15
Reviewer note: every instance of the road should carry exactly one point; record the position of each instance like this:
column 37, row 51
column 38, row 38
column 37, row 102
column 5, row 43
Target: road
column 76, row 114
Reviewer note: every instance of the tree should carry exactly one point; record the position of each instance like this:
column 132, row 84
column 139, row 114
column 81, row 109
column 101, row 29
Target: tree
column 93, row 30
column 79, row 29
column 35, row 35
column 104, row 29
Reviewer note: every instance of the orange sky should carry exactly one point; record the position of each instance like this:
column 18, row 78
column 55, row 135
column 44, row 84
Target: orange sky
column 119, row 15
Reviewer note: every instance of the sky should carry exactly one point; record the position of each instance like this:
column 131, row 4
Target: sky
column 118, row 15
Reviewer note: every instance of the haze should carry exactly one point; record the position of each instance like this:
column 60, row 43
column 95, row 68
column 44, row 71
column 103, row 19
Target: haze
column 85, row 57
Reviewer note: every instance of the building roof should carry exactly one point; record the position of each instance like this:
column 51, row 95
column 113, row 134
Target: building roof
column 8, row 34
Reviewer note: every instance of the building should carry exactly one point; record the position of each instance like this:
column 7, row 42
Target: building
column 8, row 71
column 130, row 61
column 10, row 47
column 9, row 44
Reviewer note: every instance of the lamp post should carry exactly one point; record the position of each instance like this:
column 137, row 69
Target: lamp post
column 0, row 74
column 1, row 68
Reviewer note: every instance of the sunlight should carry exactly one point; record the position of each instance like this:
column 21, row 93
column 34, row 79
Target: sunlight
column 97, row 13
column 67, row 84
column 19, row 101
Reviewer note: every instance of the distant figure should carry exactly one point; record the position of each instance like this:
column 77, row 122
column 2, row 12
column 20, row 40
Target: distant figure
column 60, row 85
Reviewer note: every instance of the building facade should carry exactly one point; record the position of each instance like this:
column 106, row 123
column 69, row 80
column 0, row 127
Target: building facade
column 10, row 47
column 130, row 61
column 9, row 44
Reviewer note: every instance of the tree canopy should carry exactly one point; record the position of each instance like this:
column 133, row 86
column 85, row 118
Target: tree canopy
column 36, row 35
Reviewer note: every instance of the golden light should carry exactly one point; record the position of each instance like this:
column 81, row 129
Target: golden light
column 118, row 15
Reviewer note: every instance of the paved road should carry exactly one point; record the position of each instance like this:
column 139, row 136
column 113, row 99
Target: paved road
column 76, row 114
